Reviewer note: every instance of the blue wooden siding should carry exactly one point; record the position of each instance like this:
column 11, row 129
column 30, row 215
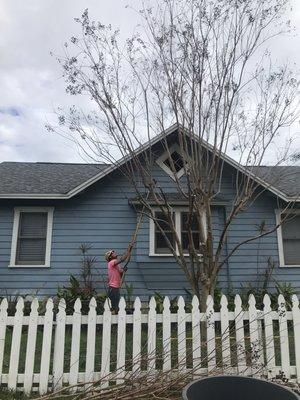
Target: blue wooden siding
column 102, row 217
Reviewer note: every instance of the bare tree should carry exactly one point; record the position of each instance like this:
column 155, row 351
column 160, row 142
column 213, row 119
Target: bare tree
column 203, row 66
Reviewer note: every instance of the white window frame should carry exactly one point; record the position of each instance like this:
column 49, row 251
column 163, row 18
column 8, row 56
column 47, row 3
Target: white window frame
column 278, row 213
column 177, row 211
column 15, row 233
column 161, row 162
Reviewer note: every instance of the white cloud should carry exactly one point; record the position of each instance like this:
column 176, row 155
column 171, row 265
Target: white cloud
column 30, row 79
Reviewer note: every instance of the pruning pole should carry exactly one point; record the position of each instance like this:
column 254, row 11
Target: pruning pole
column 134, row 236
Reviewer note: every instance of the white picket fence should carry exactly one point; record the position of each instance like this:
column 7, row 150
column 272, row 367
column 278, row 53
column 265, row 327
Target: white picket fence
column 252, row 342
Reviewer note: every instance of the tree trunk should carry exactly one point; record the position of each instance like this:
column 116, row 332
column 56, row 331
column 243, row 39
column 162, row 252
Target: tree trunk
column 206, row 290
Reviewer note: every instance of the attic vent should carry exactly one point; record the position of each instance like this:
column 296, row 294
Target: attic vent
column 172, row 162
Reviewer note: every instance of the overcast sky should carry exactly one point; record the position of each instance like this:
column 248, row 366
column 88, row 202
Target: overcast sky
column 31, row 86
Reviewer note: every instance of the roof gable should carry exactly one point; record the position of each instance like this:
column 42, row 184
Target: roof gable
column 63, row 181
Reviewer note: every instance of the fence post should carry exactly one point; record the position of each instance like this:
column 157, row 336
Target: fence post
column 46, row 348
column 225, row 338
column 121, row 341
column 284, row 337
column 75, row 345
column 137, row 336
column 240, row 334
column 91, row 339
column 15, row 346
column 151, row 334
column 196, row 335
column 296, row 326
column 181, row 334
column 211, row 335
column 106, row 344
column 31, row 345
column 166, row 335
column 256, row 350
column 3, row 321
column 59, row 345
column 269, row 336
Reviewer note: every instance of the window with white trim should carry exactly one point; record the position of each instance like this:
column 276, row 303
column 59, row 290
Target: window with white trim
column 31, row 239
column 158, row 243
column 172, row 162
column 289, row 238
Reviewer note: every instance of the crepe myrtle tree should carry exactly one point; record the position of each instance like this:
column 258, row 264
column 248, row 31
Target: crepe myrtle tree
column 204, row 66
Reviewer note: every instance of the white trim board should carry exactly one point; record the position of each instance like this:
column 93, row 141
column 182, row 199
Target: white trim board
column 14, row 241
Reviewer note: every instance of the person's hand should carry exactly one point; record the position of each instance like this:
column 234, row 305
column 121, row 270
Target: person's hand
column 125, row 269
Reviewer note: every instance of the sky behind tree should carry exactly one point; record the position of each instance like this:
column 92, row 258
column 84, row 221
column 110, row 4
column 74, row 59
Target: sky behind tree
column 31, row 83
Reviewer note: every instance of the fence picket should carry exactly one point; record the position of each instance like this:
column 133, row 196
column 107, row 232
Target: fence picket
column 46, row 348
column 210, row 334
column 121, row 344
column 166, row 335
column 137, row 336
column 256, row 350
column 269, row 337
column 263, row 350
column 3, row 321
column 75, row 345
column 151, row 334
column 59, row 345
column 15, row 346
column 31, row 345
column 284, row 337
column 181, row 334
column 196, row 335
column 91, row 340
column 296, row 325
column 225, row 339
column 239, row 334
column 106, row 344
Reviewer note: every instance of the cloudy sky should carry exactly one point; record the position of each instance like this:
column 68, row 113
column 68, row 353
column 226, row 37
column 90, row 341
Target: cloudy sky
column 31, row 86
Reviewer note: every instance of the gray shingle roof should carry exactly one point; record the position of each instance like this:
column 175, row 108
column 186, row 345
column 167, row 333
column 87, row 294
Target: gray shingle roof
column 44, row 178
column 284, row 178
column 60, row 178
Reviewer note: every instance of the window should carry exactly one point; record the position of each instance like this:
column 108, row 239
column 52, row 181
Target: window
column 158, row 244
column 172, row 162
column 185, row 231
column 31, row 240
column 289, row 238
column 161, row 245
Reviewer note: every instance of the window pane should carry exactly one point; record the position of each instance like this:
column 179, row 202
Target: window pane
column 185, row 241
column 291, row 249
column 178, row 162
column 31, row 245
column 291, row 240
column 161, row 246
column 31, row 251
column 33, row 224
column 162, row 221
column 185, row 222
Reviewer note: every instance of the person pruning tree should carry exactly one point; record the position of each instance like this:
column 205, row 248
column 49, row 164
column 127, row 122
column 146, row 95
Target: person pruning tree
column 115, row 273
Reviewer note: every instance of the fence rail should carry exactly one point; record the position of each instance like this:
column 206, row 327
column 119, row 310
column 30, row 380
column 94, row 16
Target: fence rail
column 45, row 352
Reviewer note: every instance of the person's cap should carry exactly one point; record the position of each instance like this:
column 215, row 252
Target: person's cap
column 108, row 255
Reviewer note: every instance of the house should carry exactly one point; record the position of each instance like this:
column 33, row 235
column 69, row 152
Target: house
column 48, row 209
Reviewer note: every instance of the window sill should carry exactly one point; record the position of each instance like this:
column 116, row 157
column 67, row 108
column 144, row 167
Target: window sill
column 290, row 266
column 28, row 266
